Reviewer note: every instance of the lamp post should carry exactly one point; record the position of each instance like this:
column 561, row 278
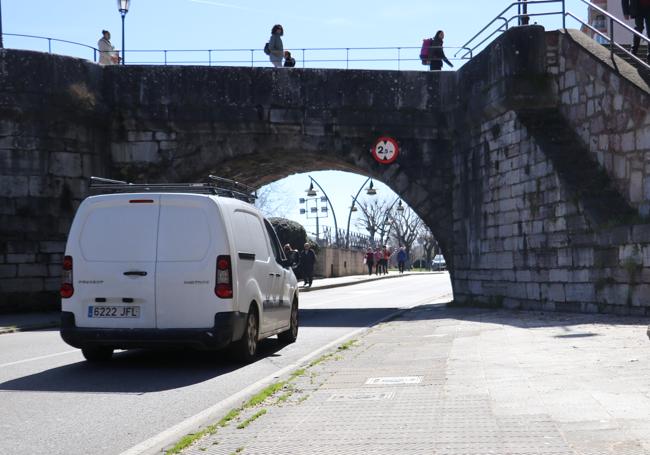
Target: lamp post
column 1, row 44
column 123, row 8
column 370, row 191
column 312, row 192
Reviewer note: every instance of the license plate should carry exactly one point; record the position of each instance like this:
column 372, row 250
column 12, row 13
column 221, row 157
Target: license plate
column 110, row 311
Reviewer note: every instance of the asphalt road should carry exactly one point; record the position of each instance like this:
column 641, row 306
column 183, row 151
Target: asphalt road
column 53, row 402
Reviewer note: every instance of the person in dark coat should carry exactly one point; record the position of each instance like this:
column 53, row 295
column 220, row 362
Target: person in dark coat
column 640, row 11
column 369, row 259
column 307, row 261
column 289, row 61
column 437, row 52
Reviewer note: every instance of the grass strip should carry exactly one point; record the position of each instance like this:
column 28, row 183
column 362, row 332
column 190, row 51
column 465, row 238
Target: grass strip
column 252, row 418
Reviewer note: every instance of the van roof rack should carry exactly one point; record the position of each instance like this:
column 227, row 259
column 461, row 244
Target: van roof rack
column 218, row 186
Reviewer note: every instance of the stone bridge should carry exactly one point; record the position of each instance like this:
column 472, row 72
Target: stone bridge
column 531, row 164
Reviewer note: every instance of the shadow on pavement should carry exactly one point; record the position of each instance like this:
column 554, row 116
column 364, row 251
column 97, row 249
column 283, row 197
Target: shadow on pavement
column 342, row 317
column 136, row 371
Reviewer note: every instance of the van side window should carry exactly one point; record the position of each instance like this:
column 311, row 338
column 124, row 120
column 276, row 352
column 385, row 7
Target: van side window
column 275, row 243
column 251, row 237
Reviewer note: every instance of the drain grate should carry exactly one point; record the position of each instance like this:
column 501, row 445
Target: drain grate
column 362, row 396
column 394, row 380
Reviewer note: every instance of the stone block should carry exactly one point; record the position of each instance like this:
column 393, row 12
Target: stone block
column 643, row 139
column 23, row 285
column 559, row 275
column 135, row 136
column 20, row 258
column 564, row 257
column 580, row 292
column 143, row 152
column 65, row 164
column 52, row 247
column 14, row 186
column 32, row 270
column 8, row 270
column 533, row 291
column 556, row 292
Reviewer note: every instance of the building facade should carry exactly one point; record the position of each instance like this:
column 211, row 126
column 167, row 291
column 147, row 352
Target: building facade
column 602, row 23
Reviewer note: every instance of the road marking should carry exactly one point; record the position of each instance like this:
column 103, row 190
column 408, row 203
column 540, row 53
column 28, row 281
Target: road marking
column 33, row 359
column 157, row 443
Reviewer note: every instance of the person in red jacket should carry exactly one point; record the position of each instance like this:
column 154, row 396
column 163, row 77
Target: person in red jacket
column 640, row 11
column 369, row 259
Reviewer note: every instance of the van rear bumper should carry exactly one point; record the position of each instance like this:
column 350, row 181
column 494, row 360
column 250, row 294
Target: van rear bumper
column 227, row 328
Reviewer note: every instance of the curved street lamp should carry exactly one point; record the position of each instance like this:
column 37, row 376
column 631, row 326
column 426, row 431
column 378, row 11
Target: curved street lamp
column 312, row 192
column 370, row 191
column 123, row 8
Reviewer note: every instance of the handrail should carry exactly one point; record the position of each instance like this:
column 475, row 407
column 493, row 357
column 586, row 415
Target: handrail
column 49, row 40
column 507, row 21
column 210, row 60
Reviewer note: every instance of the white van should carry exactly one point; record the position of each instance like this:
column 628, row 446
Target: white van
column 174, row 265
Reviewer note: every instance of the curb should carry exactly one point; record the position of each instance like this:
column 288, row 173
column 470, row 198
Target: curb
column 28, row 327
column 366, row 280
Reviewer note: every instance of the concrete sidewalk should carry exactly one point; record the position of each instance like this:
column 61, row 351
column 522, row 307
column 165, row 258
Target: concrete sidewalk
column 440, row 380
column 16, row 322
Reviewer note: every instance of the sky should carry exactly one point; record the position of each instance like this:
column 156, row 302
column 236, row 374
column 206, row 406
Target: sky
column 246, row 24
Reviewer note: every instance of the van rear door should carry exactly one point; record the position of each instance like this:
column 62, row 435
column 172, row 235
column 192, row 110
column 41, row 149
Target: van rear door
column 189, row 235
column 115, row 261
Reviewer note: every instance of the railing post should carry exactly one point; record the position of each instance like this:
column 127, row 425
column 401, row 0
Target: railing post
column 303, row 58
column 564, row 14
column 209, row 57
column 49, row 45
column 399, row 58
column 611, row 38
column 252, row 58
column 165, row 51
column 95, row 55
column 347, row 58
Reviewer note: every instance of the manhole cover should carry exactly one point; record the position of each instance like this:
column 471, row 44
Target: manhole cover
column 362, row 396
column 394, row 380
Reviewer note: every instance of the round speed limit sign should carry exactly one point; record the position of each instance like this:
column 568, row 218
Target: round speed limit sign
column 385, row 150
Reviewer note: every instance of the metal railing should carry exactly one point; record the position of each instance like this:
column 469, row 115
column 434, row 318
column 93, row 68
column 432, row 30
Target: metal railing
column 503, row 22
column 347, row 57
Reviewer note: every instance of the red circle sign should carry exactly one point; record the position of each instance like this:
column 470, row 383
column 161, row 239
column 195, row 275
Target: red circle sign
column 385, row 150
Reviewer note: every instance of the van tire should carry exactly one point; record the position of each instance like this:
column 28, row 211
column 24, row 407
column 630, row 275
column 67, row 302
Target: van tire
column 97, row 353
column 291, row 335
column 245, row 349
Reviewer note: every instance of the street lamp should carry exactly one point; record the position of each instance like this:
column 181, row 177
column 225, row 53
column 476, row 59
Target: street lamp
column 123, row 8
column 312, row 192
column 370, row 191
column 1, row 45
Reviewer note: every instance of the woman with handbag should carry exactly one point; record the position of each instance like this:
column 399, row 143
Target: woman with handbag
column 107, row 53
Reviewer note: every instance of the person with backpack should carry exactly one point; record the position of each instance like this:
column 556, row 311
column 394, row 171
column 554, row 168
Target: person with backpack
column 274, row 48
column 436, row 54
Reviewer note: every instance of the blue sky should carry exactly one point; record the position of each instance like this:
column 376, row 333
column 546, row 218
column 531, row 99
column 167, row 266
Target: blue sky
column 246, row 24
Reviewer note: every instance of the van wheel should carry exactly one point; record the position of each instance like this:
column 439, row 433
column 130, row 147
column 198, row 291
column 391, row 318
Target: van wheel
column 97, row 353
column 291, row 335
column 245, row 349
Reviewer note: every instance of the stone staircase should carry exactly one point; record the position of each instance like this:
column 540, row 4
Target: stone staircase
column 586, row 180
column 644, row 72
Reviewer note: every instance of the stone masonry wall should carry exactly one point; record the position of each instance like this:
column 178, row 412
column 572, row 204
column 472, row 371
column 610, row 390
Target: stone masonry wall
column 529, row 242
column 608, row 105
column 51, row 138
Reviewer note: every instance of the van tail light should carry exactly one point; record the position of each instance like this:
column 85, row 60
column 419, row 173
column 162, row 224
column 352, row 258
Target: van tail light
column 66, row 278
column 223, row 286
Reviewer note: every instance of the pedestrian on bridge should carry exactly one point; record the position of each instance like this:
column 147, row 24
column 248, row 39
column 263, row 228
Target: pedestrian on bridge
column 107, row 53
column 369, row 259
column 640, row 11
column 437, row 52
column 401, row 258
column 276, row 47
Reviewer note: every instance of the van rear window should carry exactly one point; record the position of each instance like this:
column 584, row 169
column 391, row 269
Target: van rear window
column 184, row 233
column 119, row 232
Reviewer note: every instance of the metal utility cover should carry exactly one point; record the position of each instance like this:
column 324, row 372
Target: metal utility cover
column 368, row 396
column 394, row 380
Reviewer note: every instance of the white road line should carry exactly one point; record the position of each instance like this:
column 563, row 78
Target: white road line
column 156, row 444
column 33, row 359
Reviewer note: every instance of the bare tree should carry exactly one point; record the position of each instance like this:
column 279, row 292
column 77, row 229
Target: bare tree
column 428, row 243
column 274, row 201
column 405, row 228
column 374, row 216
